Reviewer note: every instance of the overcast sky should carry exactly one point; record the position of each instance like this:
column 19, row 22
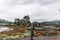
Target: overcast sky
column 38, row 10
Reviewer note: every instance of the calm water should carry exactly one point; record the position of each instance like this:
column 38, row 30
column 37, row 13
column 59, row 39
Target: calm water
column 5, row 28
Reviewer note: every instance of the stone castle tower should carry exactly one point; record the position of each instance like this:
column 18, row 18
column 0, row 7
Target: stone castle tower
column 26, row 18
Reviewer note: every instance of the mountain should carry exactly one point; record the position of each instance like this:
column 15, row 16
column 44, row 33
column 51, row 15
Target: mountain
column 4, row 21
column 52, row 22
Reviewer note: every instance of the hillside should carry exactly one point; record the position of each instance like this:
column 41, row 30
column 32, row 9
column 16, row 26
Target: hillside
column 4, row 21
column 51, row 22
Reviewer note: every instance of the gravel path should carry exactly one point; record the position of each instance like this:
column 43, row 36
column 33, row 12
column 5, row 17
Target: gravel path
column 43, row 38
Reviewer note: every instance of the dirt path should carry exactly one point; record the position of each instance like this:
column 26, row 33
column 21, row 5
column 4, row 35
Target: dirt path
column 43, row 38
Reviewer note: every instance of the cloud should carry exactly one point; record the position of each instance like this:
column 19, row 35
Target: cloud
column 38, row 10
column 27, row 2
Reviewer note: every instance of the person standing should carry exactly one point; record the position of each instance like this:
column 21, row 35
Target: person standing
column 32, row 32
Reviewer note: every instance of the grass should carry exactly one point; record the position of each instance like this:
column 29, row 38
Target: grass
column 17, row 36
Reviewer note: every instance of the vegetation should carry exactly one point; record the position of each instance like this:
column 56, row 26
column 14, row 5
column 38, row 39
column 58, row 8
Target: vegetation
column 20, row 29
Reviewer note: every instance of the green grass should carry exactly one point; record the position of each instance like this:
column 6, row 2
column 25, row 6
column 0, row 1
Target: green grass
column 26, row 34
column 12, row 37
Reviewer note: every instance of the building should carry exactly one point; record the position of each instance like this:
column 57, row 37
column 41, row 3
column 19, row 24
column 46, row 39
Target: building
column 26, row 18
column 24, row 21
column 17, row 20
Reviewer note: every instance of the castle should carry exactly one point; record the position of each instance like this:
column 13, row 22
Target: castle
column 24, row 21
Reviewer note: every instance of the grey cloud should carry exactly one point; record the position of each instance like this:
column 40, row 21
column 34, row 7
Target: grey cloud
column 36, row 12
column 42, row 2
column 26, row 2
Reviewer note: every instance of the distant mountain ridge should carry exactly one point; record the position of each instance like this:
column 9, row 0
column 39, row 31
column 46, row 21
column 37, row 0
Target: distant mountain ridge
column 52, row 22
column 4, row 21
